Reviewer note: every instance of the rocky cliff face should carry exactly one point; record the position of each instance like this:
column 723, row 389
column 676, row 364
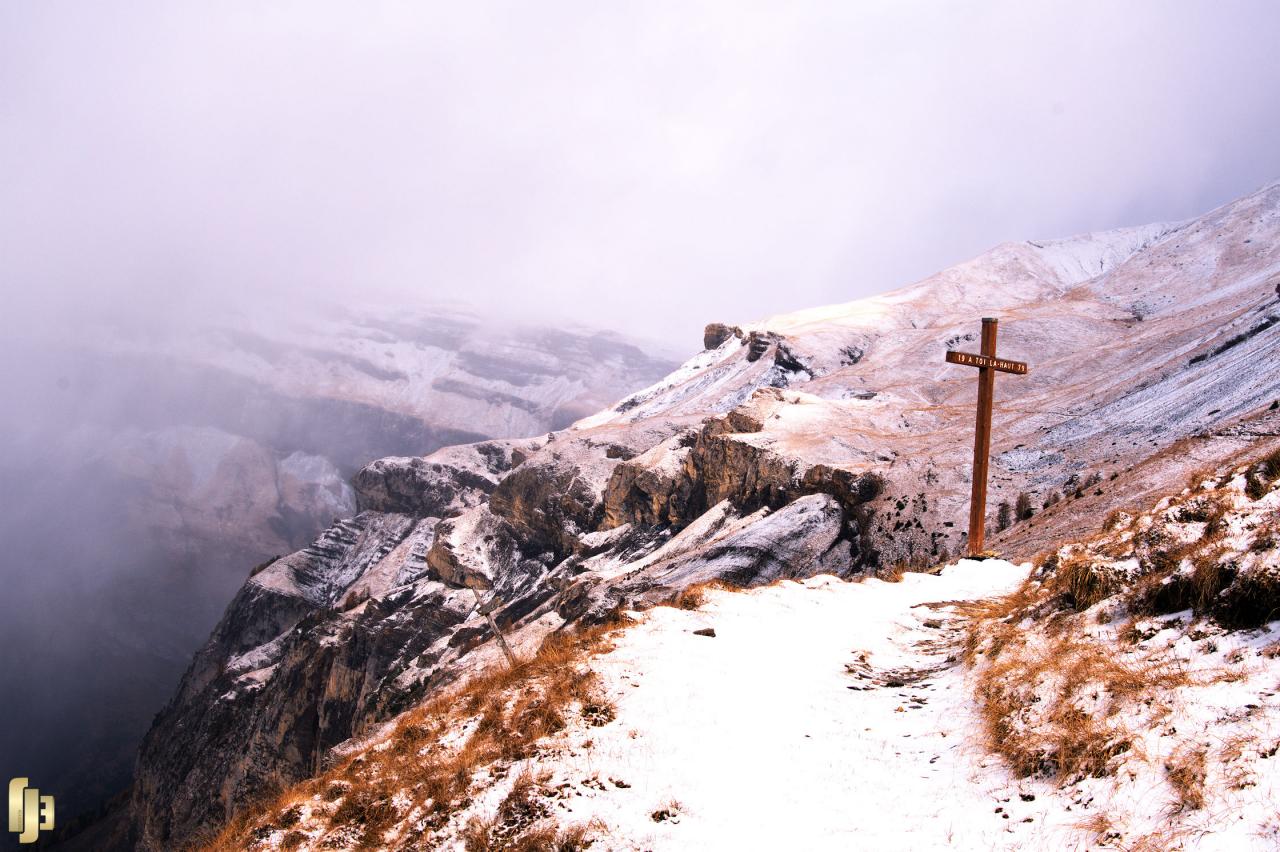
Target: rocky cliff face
column 184, row 460
column 833, row 440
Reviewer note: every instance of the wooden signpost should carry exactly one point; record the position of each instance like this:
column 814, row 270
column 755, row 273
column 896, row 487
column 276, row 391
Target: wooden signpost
column 987, row 364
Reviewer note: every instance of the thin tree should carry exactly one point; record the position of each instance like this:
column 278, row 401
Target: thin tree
column 1022, row 509
column 1004, row 516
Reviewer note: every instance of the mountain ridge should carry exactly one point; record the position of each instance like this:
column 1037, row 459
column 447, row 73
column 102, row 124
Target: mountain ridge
column 833, row 440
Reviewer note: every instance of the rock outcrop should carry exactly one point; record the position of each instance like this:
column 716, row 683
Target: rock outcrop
column 717, row 333
column 454, row 479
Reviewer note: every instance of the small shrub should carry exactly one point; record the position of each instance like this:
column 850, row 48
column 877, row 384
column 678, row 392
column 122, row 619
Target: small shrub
column 1162, row 554
column 893, row 573
column 1116, row 519
column 1160, row 594
column 484, row 836
column 354, row 599
column 1199, row 477
column 475, row 836
column 1250, row 599
column 365, row 807
column 523, row 824
column 523, row 805
column 1046, row 563
column 369, row 808
column 670, row 811
column 1208, row 578
column 597, row 713
column 691, row 598
column 1082, row 583
column 1262, row 474
column 1200, row 510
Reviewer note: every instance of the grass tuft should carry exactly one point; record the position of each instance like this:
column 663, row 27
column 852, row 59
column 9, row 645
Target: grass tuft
column 1185, row 770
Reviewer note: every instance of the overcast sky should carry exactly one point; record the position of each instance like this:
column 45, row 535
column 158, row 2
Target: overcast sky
column 647, row 167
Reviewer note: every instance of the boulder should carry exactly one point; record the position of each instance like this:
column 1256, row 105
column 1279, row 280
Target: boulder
column 716, row 333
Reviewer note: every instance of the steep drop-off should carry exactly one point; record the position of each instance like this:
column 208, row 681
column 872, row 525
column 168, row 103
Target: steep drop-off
column 146, row 472
column 834, row 440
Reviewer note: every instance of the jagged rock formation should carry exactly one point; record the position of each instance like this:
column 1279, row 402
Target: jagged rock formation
column 834, row 440
column 717, row 333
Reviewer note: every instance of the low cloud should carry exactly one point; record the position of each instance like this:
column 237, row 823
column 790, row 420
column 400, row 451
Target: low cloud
column 647, row 169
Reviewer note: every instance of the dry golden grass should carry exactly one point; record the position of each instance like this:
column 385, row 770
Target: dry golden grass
column 1107, row 836
column 691, row 598
column 1199, row 476
column 1098, row 824
column 543, row 838
column 1262, row 475
column 1059, row 697
column 1033, row 685
column 1116, row 519
column 893, row 573
column 1185, row 770
column 521, row 824
column 505, row 713
column 1265, row 538
column 1236, row 755
column 998, row 618
column 694, row 595
column 1251, row 600
column 1082, row 581
column 1032, row 697
column 1208, row 578
column 1156, row 841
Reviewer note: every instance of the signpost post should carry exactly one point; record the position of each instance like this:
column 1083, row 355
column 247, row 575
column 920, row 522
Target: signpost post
column 987, row 364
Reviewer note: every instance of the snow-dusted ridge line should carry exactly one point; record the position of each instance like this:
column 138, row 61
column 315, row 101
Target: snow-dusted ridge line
column 1087, row 256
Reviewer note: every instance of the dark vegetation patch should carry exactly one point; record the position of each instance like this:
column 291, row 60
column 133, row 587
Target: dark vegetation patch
column 1235, row 340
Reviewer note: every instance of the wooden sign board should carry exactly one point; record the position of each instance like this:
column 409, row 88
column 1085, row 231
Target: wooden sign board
column 971, row 360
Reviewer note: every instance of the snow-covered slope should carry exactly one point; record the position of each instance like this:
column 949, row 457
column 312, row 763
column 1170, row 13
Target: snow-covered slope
column 833, row 441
